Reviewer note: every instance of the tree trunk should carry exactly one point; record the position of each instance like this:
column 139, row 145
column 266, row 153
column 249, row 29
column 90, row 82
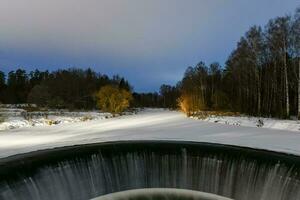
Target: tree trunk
column 258, row 99
column 286, row 93
column 258, row 89
column 299, row 89
column 286, row 84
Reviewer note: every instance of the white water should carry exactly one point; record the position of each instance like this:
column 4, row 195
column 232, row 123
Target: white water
column 84, row 178
column 160, row 194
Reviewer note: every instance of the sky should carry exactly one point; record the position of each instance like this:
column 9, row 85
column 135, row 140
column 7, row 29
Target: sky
column 150, row 42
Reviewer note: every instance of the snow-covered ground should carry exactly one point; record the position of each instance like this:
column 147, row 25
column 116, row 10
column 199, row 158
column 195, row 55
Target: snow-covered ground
column 150, row 124
column 17, row 117
column 291, row 125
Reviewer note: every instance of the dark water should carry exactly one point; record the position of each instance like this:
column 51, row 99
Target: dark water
column 91, row 171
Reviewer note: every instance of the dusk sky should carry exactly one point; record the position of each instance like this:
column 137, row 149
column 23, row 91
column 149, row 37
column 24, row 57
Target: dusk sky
column 150, row 42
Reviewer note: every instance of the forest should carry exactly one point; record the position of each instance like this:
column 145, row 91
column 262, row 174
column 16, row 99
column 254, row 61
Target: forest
column 73, row 88
column 70, row 88
column 261, row 77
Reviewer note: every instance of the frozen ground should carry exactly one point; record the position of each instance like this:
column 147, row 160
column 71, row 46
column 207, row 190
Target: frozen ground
column 147, row 125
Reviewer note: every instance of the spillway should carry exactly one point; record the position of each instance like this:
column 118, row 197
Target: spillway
column 89, row 171
column 160, row 194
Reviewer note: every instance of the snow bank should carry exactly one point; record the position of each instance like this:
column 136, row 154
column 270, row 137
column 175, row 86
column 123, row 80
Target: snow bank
column 291, row 125
column 18, row 118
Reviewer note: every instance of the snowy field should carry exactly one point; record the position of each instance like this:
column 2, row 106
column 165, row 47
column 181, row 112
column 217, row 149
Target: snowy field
column 151, row 124
column 18, row 118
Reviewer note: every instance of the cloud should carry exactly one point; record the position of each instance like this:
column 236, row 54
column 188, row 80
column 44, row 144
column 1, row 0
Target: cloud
column 131, row 37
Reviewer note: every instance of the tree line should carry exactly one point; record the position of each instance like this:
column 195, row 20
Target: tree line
column 79, row 89
column 165, row 98
column 261, row 76
column 70, row 88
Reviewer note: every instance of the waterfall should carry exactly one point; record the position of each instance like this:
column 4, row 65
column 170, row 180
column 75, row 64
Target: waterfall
column 160, row 194
column 84, row 173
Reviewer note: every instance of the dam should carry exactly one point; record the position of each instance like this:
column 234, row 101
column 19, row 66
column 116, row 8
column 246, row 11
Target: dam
column 89, row 171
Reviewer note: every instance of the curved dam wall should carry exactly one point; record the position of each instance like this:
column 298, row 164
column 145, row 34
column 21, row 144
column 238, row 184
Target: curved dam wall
column 160, row 194
column 89, row 171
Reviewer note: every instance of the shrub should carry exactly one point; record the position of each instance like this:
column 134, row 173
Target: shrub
column 113, row 99
column 39, row 95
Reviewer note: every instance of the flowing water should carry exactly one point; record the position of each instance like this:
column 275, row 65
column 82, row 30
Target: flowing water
column 83, row 174
column 160, row 194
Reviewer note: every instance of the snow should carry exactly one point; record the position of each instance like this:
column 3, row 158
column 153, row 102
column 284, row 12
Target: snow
column 18, row 118
column 291, row 125
column 150, row 124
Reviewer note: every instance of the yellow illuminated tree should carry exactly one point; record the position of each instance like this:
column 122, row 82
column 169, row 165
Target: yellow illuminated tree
column 112, row 99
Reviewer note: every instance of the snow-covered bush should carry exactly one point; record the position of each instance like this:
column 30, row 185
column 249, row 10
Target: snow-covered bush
column 86, row 118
